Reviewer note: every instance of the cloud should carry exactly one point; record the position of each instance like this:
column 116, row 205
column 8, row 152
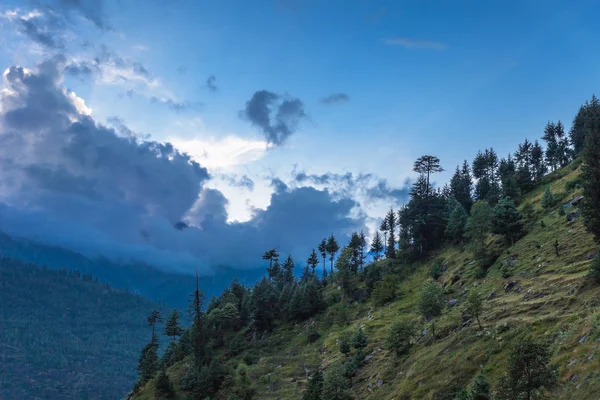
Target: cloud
column 276, row 116
column 415, row 43
column 68, row 180
column 210, row 83
column 335, row 98
column 232, row 179
column 42, row 26
column 368, row 186
column 177, row 106
column 91, row 10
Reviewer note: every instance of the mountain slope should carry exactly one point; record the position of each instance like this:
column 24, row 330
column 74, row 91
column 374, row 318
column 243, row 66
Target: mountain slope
column 529, row 289
column 66, row 336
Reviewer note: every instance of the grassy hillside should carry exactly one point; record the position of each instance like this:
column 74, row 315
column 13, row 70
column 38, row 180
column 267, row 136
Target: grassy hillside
column 65, row 336
column 547, row 295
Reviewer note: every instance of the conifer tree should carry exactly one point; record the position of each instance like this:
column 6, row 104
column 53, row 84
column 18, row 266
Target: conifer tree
column 427, row 165
column 391, row 240
column 530, row 376
column 432, row 302
column 400, row 336
column 507, row 220
column 363, row 244
column 315, row 386
column 148, row 361
column 480, row 389
column 547, row 198
column 288, row 270
column 344, row 268
column 539, row 167
column 474, row 305
column 485, row 170
column 461, row 186
column 552, row 157
column 591, row 173
column 313, row 262
column 563, row 151
column 355, row 244
column 384, row 228
column 163, row 388
column 578, row 132
column 323, row 250
column 457, row 220
column 271, row 256
column 335, row 383
column 152, row 319
column 376, row 246
column 172, row 327
column 479, row 225
column 332, row 248
column 359, row 340
column 197, row 329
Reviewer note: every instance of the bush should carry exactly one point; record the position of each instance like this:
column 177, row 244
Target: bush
column 335, row 383
column 344, row 344
column 400, row 336
column 436, row 271
column 359, row 340
column 385, row 290
column 573, row 184
column 340, row 314
column 594, row 271
column 561, row 211
column 313, row 335
column 163, row 388
column 548, row 199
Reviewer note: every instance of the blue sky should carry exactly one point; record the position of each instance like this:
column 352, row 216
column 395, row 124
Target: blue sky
column 403, row 78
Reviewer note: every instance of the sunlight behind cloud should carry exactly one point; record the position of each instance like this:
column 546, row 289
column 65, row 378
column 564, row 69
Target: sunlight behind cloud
column 222, row 153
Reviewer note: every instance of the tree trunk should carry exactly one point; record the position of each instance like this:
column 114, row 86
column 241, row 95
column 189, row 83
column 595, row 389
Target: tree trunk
column 478, row 322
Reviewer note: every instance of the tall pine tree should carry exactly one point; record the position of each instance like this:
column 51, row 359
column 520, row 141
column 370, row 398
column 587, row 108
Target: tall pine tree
column 591, row 173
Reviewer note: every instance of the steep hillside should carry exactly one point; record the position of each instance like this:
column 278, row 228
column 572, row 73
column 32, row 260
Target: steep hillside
column 66, row 336
column 528, row 289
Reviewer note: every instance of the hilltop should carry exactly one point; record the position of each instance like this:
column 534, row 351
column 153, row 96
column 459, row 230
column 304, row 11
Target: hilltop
column 64, row 335
column 528, row 290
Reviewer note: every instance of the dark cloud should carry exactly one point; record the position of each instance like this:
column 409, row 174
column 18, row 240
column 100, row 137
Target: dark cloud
column 43, row 27
column 211, row 83
column 82, row 70
column 383, row 191
column 335, row 98
column 70, row 181
column 276, row 116
column 279, row 185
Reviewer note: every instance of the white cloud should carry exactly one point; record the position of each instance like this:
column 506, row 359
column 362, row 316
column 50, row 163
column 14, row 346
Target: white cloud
column 221, row 153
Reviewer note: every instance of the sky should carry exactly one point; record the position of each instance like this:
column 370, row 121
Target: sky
column 262, row 124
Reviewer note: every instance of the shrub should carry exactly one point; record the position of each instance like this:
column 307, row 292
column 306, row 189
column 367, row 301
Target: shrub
column 436, row 271
column 359, row 340
column 548, row 199
column 313, row 335
column 529, row 373
column 344, row 344
column 335, row 383
column 385, row 290
column 594, row 271
column 400, row 336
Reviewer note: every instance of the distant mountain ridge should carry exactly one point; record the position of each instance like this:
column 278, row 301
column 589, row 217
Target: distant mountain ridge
column 153, row 283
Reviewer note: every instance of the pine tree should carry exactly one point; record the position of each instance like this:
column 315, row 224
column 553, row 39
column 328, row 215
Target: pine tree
column 355, row 244
column 391, row 240
column 578, row 132
column 591, row 174
column 529, row 373
column 547, row 198
column 315, row 386
column 363, row 244
column 376, row 246
column 152, row 319
column 332, row 249
column 273, row 257
column 335, row 383
column 539, row 167
column 432, row 302
column 485, row 170
column 148, row 361
column 163, row 388
column 457, row 220
column 507, row 220
column 400, row 336
column 323, row 250
column 427, row 165
column 384, row 228
column 479, row 225
column 313, row 262
column 474, row 305
column 344, row 269
column 359, row 340
column 461, row 186
column 480, row 389
column 594, row 271
column 172, row 327
column 288, row 270
column 552, row 156
column 197, row 329
column 563, row 150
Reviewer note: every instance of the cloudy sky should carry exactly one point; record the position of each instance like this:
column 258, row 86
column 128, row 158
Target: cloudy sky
column 262, row 124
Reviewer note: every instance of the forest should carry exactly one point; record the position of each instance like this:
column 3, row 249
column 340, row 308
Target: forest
column 482, row 288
